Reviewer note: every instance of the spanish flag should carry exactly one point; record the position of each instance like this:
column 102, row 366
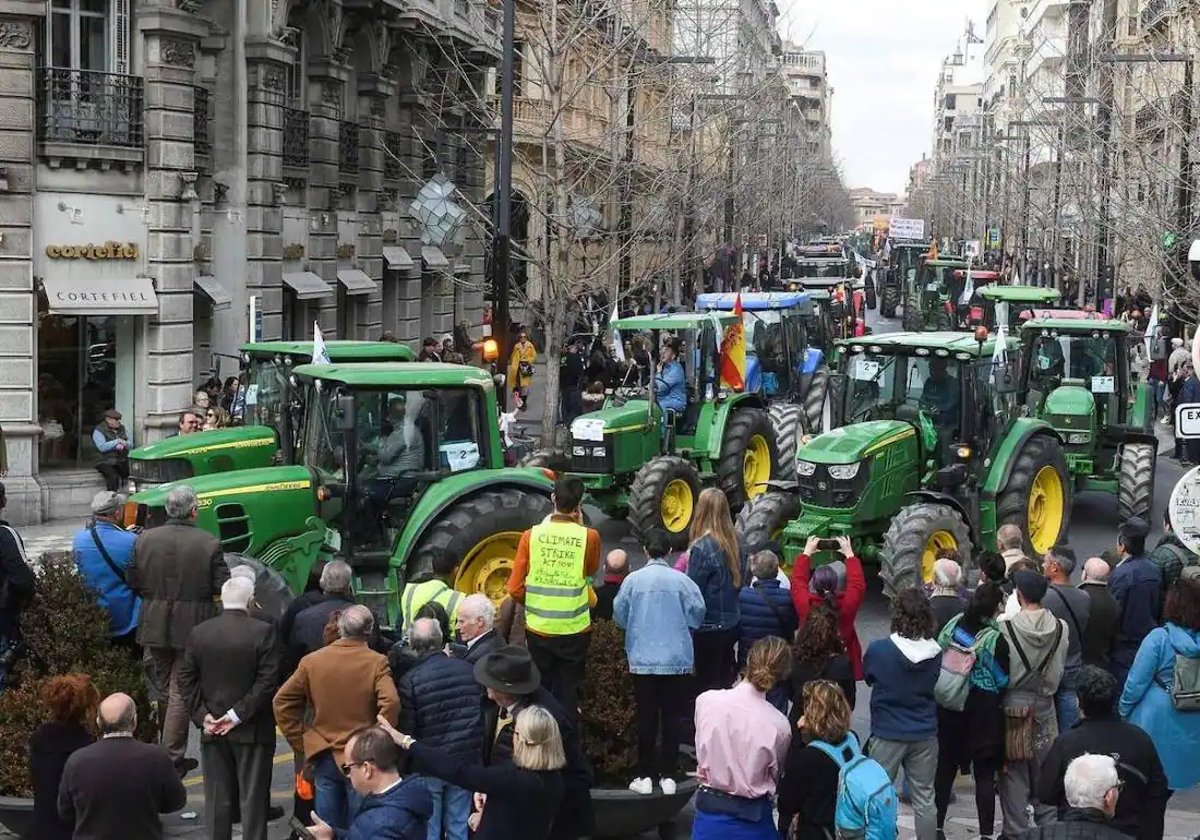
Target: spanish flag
column 733, row 351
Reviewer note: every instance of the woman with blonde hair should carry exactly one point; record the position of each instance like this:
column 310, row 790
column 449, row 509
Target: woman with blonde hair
column 717, row 564
column 808, row 789
column 741, row 744
column 528, row 791
column 216, row 417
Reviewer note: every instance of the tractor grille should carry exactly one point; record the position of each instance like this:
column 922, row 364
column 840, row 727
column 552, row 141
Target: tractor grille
column 823, row 491
column 159, row 472
column 589, row 456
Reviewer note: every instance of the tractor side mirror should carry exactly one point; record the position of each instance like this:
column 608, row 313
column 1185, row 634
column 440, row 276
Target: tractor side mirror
column 346, row 421
column 1006, row 380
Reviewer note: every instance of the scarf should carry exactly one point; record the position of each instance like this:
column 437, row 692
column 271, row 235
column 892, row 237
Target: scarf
column 985, row 676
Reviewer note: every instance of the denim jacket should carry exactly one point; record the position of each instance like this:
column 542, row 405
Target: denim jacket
column 658, row 607
column 708, row 568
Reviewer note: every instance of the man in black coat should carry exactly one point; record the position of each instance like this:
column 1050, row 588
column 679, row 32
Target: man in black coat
column 303, row 625
column 16, row 588
column 1143, row 803
column 439, row 705
column 228, row 679
column 1092, row 790
column 1104, row 617
column 476, row 619
column 514, row 682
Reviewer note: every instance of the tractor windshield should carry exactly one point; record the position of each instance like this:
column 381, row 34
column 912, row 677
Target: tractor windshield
column 879, row 384
column 267, row 390
column 822, row 269
column 1090, row 358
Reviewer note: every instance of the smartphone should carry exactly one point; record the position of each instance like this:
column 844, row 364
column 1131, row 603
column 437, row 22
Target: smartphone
column 828, row 545
column 301, row 829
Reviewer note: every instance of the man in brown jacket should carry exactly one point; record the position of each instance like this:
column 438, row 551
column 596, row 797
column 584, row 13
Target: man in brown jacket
column 178, row 571
column 346, row 685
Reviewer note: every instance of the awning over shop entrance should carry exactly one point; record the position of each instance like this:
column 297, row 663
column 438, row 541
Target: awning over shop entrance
column 397, row 257
column 134, row 296
column 208, row 286
column 356, row 281
column 306, row 285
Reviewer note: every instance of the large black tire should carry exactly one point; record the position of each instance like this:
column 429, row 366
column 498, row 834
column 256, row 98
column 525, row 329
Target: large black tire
column 910, row 535
column 741, row 428
column 871, row 293
column 553, row 459
column 1135, row 493
column 452, row 540
column 789, row 425
column 889, row 301
column 646, row 514
column 913, row 320
column 818, row 405
column 1013, row 503
column 761, row 521
column 942, row 320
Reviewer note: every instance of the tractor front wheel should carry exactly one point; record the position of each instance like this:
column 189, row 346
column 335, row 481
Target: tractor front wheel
column 749, row 456
column 889, row 301
column 788, row 422
column 1135, row 494
column 912, row 542
column 818, row 403
column 477, row 538
column 913, row 320
column 663, row 498
column 762, row 521
column 1037, row 496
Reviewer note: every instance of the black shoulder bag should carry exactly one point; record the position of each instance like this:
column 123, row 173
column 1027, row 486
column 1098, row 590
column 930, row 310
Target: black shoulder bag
column 116, row 570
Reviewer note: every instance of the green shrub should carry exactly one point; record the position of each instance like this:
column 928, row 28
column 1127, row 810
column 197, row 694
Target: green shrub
column 65, row 632
column 608, row 714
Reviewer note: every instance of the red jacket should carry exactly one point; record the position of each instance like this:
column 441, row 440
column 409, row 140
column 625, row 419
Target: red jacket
column 849, row 601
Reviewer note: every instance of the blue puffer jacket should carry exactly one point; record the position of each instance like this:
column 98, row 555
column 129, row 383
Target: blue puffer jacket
column 759, row 620
column 708, row 568
column 439, row 704
column 401, row 813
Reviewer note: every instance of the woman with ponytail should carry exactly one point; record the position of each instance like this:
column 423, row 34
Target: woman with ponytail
column 824, row 587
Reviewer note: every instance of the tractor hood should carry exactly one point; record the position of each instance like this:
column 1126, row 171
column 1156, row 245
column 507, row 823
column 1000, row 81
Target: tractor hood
column 213, row 451
column 851, row 444
column 221, row 485
column 1068, row 400
column 610, row 420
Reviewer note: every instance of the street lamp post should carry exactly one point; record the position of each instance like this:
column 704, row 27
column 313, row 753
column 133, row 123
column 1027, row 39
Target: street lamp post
column 502, row 238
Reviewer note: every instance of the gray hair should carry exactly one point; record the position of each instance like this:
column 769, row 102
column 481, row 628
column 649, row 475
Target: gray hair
column 236, row 593
column 356, row 622
column 1095, row 569
column 182, row 502
column 244, row 571
column 125, row 718
column 425, row 635
column 1064, row 558
column 1088, row 780
column 764, row 565
column 1009, row 537
column 335, row 578
column 947, row 572
column 479, row 607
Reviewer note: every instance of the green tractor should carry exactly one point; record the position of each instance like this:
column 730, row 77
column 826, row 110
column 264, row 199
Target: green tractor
column 1009, row 305
column 934, row 453
column 266, row 436
column 399, row 471
column 1075, row 376
column 903, row 261
column 635, row 461
column 932, row 294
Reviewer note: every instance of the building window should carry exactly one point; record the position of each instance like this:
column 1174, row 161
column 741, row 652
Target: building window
column 1012, row 87
column 294, row 79
column 518, row 69
column 79, row 36
column 951, row 101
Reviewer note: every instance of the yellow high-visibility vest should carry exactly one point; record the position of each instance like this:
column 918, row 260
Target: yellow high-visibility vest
column 417, row 595
column 556, row 588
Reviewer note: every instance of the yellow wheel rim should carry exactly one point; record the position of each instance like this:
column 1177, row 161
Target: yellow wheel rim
column 936, row 542
column 756, row 467
column 676, row 506
column 1047, row 507
column 487, row 566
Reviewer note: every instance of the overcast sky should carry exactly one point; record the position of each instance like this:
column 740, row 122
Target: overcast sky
column 883, row 59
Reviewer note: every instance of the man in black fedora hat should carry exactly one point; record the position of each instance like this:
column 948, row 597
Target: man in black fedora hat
column 513, row 683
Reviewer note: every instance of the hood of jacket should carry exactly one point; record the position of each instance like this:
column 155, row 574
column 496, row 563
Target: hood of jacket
column 1185, row 642
column 916, row 651
column 1036, row 631
column 410, row 797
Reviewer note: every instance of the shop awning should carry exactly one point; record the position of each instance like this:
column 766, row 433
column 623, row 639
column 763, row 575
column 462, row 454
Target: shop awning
column 207, row 285
column 356, row 281
column 397, row 257
column 134, row 296
column 306, row 285
column 432, row 257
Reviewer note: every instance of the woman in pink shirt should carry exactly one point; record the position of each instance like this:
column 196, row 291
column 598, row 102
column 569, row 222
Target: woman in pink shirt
column 741, row 744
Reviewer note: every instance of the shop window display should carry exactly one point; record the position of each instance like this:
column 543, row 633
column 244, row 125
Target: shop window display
column 77, row 368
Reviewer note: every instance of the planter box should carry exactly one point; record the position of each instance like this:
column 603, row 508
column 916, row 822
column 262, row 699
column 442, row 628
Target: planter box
column 16, row 814
column 623, row 813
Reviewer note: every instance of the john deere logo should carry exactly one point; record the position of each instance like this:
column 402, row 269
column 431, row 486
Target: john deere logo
column 105, row 251
column 821, row 485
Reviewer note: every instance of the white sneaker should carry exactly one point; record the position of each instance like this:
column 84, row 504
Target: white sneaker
column 668, row 786
column 643, row 786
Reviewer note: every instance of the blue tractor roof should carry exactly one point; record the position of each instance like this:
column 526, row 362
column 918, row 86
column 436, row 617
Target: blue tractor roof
column 752, row 301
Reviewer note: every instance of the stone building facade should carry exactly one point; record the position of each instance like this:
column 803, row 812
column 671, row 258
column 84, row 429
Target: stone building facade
column 173, row 183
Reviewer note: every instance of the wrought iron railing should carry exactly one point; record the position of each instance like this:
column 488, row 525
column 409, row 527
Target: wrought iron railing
column 348, row 146
column 89, row 108
column 295, row 137
column 391, row 156
column 201, row 126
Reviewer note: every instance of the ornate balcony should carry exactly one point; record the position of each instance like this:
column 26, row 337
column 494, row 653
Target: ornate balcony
column 87, row 108
column 348, row 148
column 295, row 138
column 392, row 171
column 201, row 126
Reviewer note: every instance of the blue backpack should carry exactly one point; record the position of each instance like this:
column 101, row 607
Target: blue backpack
column 867, row 806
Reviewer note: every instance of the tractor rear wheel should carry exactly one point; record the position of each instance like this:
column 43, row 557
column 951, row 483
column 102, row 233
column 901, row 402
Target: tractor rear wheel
column 1037, row 496
column 912, row 541
column 762, row 520
column 546, row 458
column 749, row 456
column 871, row 293
column 942, row 320
column 818, row 403
column 479, row 535
column 889, row 301
column 788, row 422
column 913, row 320
column 663, row 498
column 1135, row 494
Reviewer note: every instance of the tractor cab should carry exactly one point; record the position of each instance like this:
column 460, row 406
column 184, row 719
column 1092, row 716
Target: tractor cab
column 898, row 274
column 967, row 295
column 933, row 294
column 1000, row 303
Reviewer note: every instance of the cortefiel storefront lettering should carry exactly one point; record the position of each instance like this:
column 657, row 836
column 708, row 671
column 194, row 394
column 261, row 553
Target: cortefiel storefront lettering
column 105, row 251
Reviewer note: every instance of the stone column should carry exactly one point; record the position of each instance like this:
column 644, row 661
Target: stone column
column 409, row 310
column 265, row 188
column 326, row 84
column 374, row 91
column 18, row 300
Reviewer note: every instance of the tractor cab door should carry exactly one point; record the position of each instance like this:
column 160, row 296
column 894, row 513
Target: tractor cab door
column 935, row 386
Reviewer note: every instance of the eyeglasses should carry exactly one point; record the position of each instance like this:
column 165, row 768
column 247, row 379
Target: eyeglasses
column 350, row 765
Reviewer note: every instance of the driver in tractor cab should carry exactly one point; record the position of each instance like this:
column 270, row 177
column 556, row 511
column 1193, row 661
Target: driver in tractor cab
column 670, row 383
column 1048, row 363
column 941, row 391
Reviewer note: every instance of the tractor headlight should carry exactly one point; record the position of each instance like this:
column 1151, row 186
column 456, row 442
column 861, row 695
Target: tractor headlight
column 1079, row 437
column 580, row 451
column 599, row 452
column 843, row 472
column 805, row 468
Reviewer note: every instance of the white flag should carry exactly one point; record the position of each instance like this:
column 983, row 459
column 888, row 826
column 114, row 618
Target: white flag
column 1152, row 332
column 998, row 357
column 618, row 347
column 320, row 354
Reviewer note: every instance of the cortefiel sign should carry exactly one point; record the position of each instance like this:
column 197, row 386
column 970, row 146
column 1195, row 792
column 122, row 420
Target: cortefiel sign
column 104, row 251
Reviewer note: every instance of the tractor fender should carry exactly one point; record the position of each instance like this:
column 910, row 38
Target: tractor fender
column 710, row 437
column 1128, row 434
column 946, row 499
column 813, row 357
column 456, row 488
column 1022, row 430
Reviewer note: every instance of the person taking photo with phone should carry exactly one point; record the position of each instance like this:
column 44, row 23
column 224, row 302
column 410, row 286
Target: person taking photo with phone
column 839, row 584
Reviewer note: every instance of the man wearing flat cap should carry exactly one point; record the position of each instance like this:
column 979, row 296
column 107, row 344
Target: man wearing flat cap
column 103, row 551
column 513, row 682
column 113, row 442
